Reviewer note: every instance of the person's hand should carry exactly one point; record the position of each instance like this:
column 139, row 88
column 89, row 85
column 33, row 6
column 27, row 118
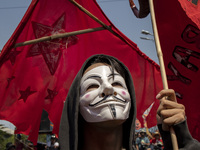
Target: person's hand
column 169, row 111
column 132, row 4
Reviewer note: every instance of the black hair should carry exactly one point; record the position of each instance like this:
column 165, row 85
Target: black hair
column 109, row 61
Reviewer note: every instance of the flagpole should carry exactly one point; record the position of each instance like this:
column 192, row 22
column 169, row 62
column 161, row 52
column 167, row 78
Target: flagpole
column 162, row 66
column 109, row 28
column 67, row 34
column 57, row 36
column 92, row 16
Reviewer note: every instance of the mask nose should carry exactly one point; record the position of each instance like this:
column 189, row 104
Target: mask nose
column 107, row 89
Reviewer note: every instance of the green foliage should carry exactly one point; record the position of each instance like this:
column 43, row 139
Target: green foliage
column 24, row 137
column 4, row 139
column 42, row 138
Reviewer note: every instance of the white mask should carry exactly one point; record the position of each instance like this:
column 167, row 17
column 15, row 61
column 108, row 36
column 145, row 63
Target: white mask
column 102, row 98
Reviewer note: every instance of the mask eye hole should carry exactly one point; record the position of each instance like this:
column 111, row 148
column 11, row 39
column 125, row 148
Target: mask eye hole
column 92, row 87
column 117, row 84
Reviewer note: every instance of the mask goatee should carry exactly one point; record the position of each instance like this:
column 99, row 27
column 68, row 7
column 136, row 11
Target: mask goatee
column 113, row 110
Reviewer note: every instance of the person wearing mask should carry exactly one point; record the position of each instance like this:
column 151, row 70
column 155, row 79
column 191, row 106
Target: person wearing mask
column 100, row 110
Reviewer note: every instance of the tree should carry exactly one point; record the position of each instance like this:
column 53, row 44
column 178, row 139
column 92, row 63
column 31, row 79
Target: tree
column 5, row 138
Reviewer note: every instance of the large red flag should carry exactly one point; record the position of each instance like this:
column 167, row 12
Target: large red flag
column 180, row 42
column 38, row 76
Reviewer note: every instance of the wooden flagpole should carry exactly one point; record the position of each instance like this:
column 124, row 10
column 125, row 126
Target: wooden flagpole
column 162, row 66
column 92, row 16
column 95, row 18
column 62, row 35
column 57, row 36
column 109, row 28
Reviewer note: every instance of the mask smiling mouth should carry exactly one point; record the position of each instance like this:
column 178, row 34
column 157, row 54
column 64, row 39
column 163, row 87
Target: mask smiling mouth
column 105, row 99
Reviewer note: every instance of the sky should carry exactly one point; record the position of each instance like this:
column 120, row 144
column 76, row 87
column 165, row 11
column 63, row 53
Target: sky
column 118, row 12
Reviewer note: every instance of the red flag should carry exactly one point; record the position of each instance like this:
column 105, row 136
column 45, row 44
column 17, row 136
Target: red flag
column 180, row 43
column 38, row 76
column 192, row 9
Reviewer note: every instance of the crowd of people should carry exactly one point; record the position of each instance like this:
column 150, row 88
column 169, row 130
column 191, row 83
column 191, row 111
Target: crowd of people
column 143, row 141
column 28, row 145
column 52, row 144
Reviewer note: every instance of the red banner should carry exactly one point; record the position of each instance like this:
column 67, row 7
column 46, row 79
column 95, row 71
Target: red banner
column 38, row 76
column 192, row 9
column 180, row 43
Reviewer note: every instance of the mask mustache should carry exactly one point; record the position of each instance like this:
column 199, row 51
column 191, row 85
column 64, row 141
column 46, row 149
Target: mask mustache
column 105, row 98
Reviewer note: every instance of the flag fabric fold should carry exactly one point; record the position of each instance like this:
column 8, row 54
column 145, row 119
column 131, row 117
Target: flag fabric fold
column 37, row 76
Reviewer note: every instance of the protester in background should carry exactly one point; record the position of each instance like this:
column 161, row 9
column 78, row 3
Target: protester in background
column 10, row 146
column 53, row 140
column 135, row 137
column 142, row 143
column 156, row 142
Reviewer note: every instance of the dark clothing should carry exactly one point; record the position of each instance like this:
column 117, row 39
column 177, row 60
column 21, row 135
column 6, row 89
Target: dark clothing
column 184, row 138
